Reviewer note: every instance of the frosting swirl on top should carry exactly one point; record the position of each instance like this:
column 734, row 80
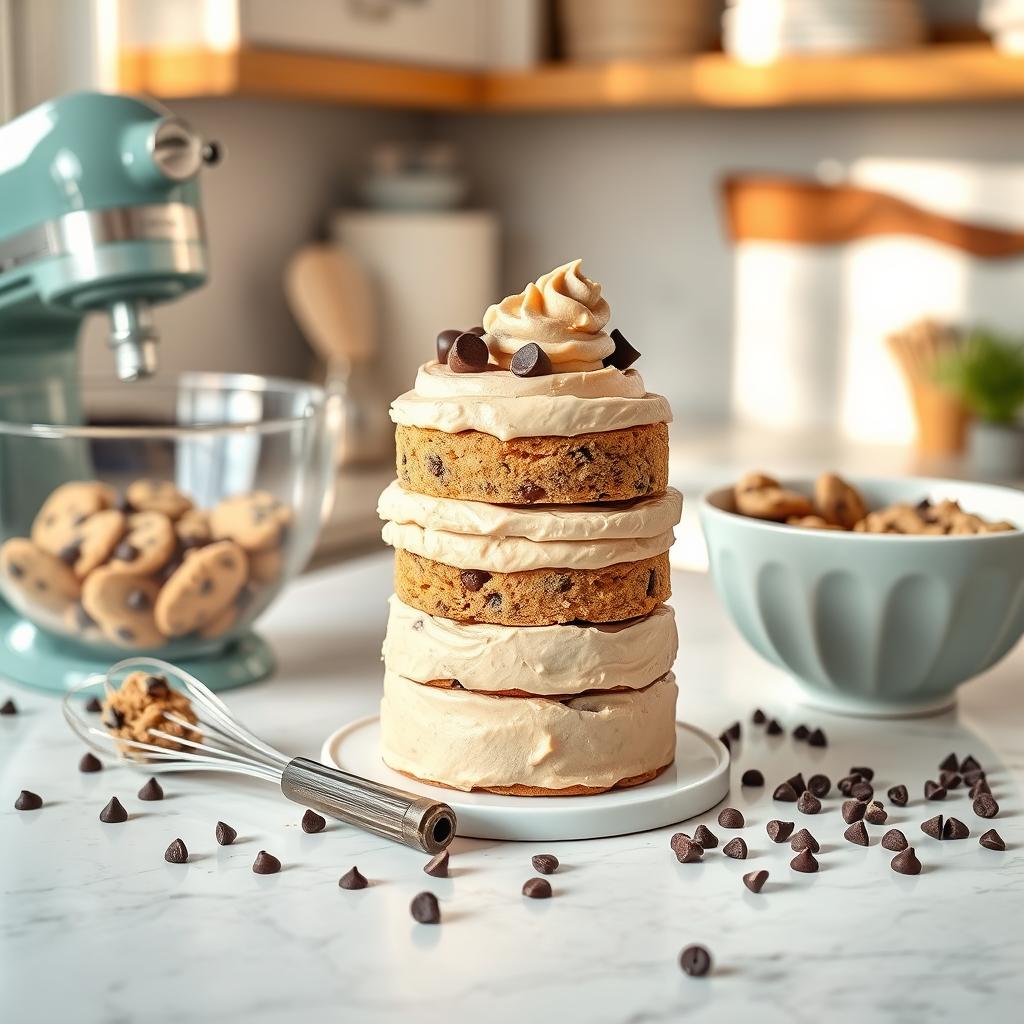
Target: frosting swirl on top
column 564, row 313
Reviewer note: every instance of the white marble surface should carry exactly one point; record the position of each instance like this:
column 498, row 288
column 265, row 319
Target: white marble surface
column 96, row 927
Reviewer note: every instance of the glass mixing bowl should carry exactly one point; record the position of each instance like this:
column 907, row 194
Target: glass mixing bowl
column 165, row 525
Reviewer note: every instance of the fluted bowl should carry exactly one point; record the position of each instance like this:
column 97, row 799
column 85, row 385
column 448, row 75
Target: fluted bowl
column 874, row 624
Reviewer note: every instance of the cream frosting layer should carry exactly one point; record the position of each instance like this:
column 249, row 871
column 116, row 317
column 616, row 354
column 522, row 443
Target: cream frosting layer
column 647, row 517
column 543, row 660
column 563, row 312
column 468, row 740
column 436, row 380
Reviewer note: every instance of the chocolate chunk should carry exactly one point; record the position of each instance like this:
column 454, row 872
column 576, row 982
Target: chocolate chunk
column 266, row 864
column 93, row 705
column 224, row 834
column 705, row 837
column 530, row 492
column 157, row 687
column 804, row 861
column 773, row 728
column 437, row 866
column 752, row 777
column 758, row 717
column 474, row 579
column 137, row 600
column 875, row 813
column 992, row 840
column 90, row 763
column 972, row 778
column 734, row 731
column 126, row 552
column 785, row 792
column 537, row 888
column 176, row 853
column 933, row 827
column 985, row 806
column 898, row 795
column 801, row 732
column 797, row 782
column 906, row 862
column 817, row 738
column 729, row 817
column 736, row 849
column 819, row 785
column 969, row 764
column 8, row 707
column 779, row 831
column 114, row 813
column 424, row 908
column 313, row 822
column 894, row 840
column 949, row 763
column 694, row 960
column 955, row 829
column 444, row 343
column 808, row 803
column 981, row 786
column 803, row 840
column 28, row 801
column 865, row 773
column 950, row 780
column 853, row 810
column 530, row 361
column 112, row 718
column 933, row 791
column 624, row 355
column 353, row 879
column 754, row 880
column 723, row 738
column 434, row 465
column 71, row 552
column 545, row 863
column 857, row 834
column 151, row 791
column 493, row 601
column 468, row 354
column 862, row 791
column 687, row 850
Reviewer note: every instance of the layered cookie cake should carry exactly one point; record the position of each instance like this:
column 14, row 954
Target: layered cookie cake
column 528, row 649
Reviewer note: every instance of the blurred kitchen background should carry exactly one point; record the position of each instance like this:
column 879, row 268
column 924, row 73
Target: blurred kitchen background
column 808, row 215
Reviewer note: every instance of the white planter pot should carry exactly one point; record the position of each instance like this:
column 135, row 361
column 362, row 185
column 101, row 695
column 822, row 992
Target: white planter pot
column 995, row 450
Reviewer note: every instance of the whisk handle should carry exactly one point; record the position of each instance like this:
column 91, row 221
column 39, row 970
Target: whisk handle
column 413, row 820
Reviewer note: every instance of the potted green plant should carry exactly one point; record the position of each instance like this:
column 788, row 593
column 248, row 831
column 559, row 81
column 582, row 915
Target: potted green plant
column 987, row 372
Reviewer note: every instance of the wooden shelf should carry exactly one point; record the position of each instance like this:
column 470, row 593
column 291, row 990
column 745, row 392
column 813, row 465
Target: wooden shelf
column 937, row 74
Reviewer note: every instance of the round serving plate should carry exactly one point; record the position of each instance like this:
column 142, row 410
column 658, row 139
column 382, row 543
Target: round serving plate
column 695, row 782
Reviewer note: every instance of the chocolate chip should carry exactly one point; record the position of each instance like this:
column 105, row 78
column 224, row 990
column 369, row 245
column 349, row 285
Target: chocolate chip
column 735, row 731
column 151, row 791
column 71, row 552
column 468, row 354
column 797, row 782
column 808, row 803
column 803, row 840
column 114, row 813
column 862, row 791
column 136, row 600
column 694, row 960
column 437, row 867
column 687, row 850
column 176, row 853
column 785, row 792
column 126, row 552
column 434, row 465
column 530, row 492
column 898, row 795
column 545, row 863
column 817, row 738
column 723, row 738
column 266, row 864
column 28, row 801
column 949, row 763
column 729, row 817
column 112, row 718
column 973, row 777
column 93, row 705
column 819, row 785
column 853, row 810
column 804, row 861
column 969, row 764
column 985, row 806
column 90, row 763
column 224, row 834
column 424, row 908
column 875, row 813
column 933, row 791
column 16, row 571
column 857, row 834
column 493, row 601
column 313, row 822
column 8, row 707
column 126, row 634
column 478, row 331
column 950, row 780
column 773, row 728
column 955, row 829
column 474, row 579
column 157, row 687
column 906, row 862
column 736, row 849
column 894, row 840
column 865, row 773
column 847, row 782
column 981, row 786
column 444, row 343
column 530, row 361
column 754, row 880
column 779, row 831
column 537, row 889
column 758, row 717
column 353, row 879
column 992, row 840
column 933, row 827
column 705, row 837
column 801, row 732
column 752, row 777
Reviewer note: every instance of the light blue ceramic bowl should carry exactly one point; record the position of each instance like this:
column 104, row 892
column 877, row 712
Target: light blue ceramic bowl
column 874, row 624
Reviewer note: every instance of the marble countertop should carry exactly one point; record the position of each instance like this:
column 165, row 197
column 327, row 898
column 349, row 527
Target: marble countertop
column 95, row 926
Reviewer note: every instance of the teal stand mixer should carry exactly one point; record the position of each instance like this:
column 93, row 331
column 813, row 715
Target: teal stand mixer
column 99, row 211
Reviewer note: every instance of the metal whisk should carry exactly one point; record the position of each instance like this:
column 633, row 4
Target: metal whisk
column 223, row 744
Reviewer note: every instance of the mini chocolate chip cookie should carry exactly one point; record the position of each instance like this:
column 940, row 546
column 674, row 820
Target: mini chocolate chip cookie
column 763, row 497
column 66, row 509
column 201, row 588
column 158, row 496
column 146, row 547
column 254, row 521
column 36, row 578
column 93, row 541
column 838, row 502
column 121, row 604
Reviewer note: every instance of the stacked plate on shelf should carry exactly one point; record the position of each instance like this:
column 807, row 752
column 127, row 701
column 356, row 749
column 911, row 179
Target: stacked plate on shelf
column 764, row 31
column 1004, row 21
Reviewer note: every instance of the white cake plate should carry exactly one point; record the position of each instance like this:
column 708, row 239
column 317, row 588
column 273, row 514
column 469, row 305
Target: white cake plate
column 697, row 781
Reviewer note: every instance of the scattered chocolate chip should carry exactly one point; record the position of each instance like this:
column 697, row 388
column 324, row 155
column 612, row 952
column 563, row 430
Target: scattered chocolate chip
column 734, row 731
column 797, row 782
column 125, row 552
column 992, row 840
column 857, row 834
column 949, row 763
column 723, row 738
column 801, row 732
column 972, row 778
column 933, row 827
column 981, row 786
column 152, row 790
column 313, row 822
column 266, row 864
column 729, row 817
column 894, row 840
column 951, row 780
column 28, row 801
column 468, row 354
column 906, row 862
column 90, row 763
column 773, row 728
column 985, row 806
column 224, row 834
column 545, row 863
column 862, row 791
column 803, row 840
column 969, row 764
column 808, row 803
column 176, row 853
column 804, row 861
column 624, row 355
column 537, row 888
column 694, row 960
column 779, row 831
column 8, row 707
column 875, row 813
column 754, row 880
column 114, row 813
column 687, row 850
column 785, row 792
column 955, row 829
column 853, row 810
column 353, row 879
column 736, row 849
column 758, row 717
column 705, row 837
column 933, row 791
column 865, row 773
column 847, row 782
column 898, row 795
column 437, row 866
column 752, row 777
column 93, row 705
column 424, row 908
column 444, row 343
column 530, row 361
column 817, row 738
column 819, row 785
